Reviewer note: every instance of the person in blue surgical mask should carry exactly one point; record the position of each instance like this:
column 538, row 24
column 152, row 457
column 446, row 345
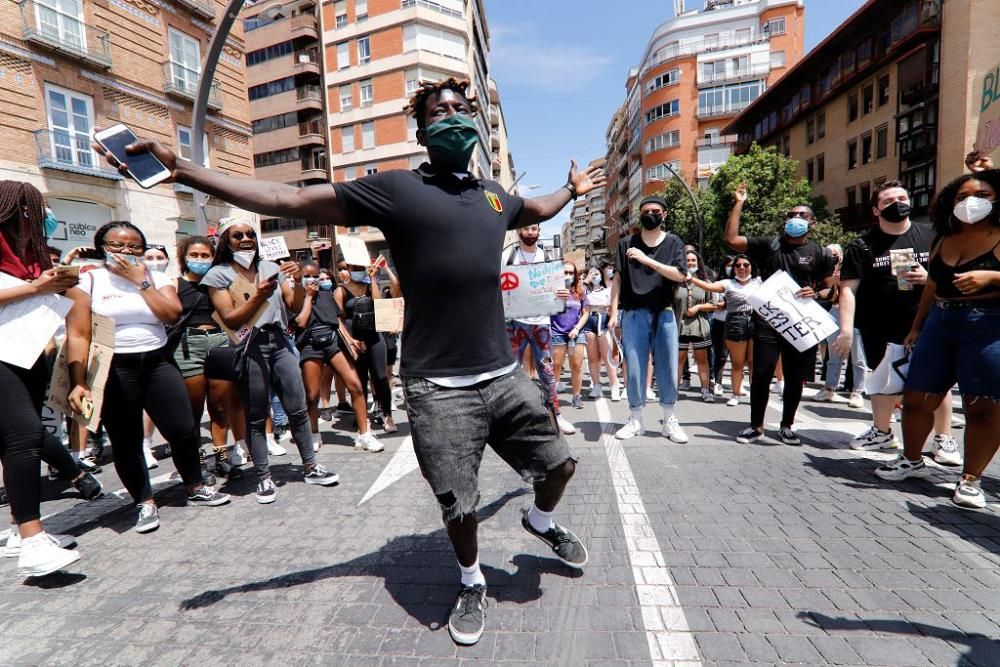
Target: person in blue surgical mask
column 809, row 265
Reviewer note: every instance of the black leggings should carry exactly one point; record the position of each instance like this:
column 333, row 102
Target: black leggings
column 768, row 346
column 719, row 351
column 149, row 381
column 21, row 437
column 373, row 362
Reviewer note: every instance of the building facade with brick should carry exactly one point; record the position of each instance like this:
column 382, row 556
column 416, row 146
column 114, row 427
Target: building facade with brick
column 890, row 94
column 67, row 67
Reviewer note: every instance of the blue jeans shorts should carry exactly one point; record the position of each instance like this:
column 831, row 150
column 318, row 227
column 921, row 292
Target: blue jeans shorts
column 452, row 426
column 960, row 342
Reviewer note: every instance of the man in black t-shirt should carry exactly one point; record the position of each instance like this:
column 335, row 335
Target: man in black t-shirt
column 882, row 282
column 463, row 389
column 812, row 268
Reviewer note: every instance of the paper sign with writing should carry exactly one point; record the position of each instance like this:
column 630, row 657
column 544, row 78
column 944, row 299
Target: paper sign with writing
column 274, row 248
column 529, row 289
column 102, row 350
column 802, row 322
column 389, row 315
column 355, row 251
column 241, row 290
column 27, row 325
column 987, row 96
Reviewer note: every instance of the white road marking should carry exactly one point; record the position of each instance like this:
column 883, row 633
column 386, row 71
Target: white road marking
column 402, row 463
column 667, row 631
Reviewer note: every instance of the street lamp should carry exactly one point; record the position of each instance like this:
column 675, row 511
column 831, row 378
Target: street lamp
column 697, row 211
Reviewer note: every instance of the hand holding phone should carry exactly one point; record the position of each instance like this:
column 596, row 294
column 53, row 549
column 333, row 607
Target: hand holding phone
column 142, row 165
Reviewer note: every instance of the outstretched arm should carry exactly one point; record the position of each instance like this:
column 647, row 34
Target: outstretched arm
column 539, row 209
column 733, row 238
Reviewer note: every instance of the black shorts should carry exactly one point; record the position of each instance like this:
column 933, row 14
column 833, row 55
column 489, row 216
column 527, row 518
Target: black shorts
column 694, row 342
column 323, row 353
column 739, row 327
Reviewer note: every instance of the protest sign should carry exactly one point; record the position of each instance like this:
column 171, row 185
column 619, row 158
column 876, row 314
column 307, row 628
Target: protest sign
column 389, row 315
column 102, row 350
column 802, row 322
column 529, row 289
column 274, row 248
column 987, row 95
column 27, row 325
column 354, row 250
column 241, row 290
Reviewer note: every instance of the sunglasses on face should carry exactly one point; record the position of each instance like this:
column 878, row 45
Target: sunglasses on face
column 249, row 234
column 118, row 246
column 799, row 214
column 742, row 266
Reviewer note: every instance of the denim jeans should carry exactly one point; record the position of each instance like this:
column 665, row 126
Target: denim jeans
column 643, row 330
column 836, row 362
column 539, row 337
column 959, row 342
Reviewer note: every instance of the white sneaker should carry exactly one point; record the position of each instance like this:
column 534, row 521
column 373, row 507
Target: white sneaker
column 707, row 395
column 632, row 428
column 672, row 429
column 12, row 549
column 147, row 452
column 856, row 400
column 946, row 450
column 875, row 439
column 616, row 394
column 778, row 388
column 41, row 555
column 238, row 455
column 596, row 390
column 824, row 395
column 650, row 395
column 560, row 387
column 717, row 390
column 273, row 448
column 733, row 401
column 969, row 495
column 900, row 468
column 565, row 426
column 368, row 442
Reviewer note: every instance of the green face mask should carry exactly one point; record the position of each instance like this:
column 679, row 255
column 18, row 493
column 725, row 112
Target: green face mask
column 450, row 141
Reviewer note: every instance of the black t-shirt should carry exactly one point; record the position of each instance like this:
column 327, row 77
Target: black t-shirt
column 195, row 300
column 642, row 287
column 807, row 263
column 881, row 305
column 445, row 233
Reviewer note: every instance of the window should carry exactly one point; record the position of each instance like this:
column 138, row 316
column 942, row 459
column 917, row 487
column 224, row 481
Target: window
column 775, row 27
column 411, row 129
column 743, row 35
column 71, row 119
column 727, row 99
column 340, row 12
column 370, row 169
column 740, row 65
column 820, row 168
column 821, row 126
column 61, row 20
column 343, row 55
column 660, row 172
column 367, row 97
column 777, row 59
column 788, row 146
column 869, row 99
column 347, row 138
column 185, row 61
column 714, row 70
column 368, row 134
column 360, row 10
column 665, row 140
column 712, row 40
column 852, row 197
column 852, row 154
column 271, row 88
column 866, row 148
column 269, row 53
column 364, row 51
column 426, row 38
column 271, row 123
column 184, row 143
column 666, row 79
column 671, row 108
column 276, row 157
column 883, row 90
column 866, row 194
column 852, row 107
column 346, row 98
column 810, row 131
column 350, row 173
column 418, row 74
column 810, row 171
column 881, row 142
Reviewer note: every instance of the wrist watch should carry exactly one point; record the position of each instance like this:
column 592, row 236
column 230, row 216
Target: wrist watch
column 145, row 285
column 572, row 190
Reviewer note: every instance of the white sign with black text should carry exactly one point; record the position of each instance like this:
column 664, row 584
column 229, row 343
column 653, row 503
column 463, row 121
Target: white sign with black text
column 802, row 322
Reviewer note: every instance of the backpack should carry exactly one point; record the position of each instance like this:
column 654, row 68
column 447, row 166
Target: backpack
column 363, row 321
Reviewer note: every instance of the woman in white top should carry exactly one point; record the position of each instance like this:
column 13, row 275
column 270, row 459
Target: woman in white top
column 142, row 375
column 596, row 332
column 739, row 324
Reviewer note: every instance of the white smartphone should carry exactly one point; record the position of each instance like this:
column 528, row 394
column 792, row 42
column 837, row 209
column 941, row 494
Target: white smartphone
column 144, row 168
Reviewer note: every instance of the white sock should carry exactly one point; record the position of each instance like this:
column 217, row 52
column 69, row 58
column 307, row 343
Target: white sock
column 637, row 414
column 472, row 575
column 147, row 443
column 539, row 520
column 76, row 456
column 668, row 412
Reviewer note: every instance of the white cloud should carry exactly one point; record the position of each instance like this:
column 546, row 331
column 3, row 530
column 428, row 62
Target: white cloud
column 521, row 58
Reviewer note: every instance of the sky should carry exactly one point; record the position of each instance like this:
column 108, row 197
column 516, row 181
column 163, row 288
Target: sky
column 561, row 67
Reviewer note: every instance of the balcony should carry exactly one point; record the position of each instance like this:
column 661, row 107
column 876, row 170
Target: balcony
column 494, row 92
column 429, row 4
column 69, row 36
column 307, row 62
column 304, row 25
column 734, row 76
column 694, row 48
column 183, row 83
column 719, row 111
column 712, row 142
column 494, row 117
column 311, row 132
column 309, row 97
column 65, row 152
column 495, row 140
column 203, row 8
column 918, row 16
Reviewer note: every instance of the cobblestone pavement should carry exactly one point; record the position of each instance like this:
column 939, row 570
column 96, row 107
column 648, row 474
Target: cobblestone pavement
column 705, row 553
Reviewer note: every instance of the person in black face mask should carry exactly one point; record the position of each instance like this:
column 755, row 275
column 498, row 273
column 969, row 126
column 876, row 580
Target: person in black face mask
column 880, row 298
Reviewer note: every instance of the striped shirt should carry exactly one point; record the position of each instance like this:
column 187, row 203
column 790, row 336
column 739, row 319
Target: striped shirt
column 736, row 295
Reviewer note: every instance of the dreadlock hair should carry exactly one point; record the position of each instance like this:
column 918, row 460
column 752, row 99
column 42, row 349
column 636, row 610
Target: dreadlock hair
column 22, row 212
column 117, row 224
column 418, row 103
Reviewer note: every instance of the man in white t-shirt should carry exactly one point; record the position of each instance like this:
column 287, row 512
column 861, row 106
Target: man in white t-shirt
column 534, row 331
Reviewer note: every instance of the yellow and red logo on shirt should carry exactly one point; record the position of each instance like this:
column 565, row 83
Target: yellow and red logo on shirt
column 494, row 201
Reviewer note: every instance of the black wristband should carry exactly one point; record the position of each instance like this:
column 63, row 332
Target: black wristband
column 572, row 191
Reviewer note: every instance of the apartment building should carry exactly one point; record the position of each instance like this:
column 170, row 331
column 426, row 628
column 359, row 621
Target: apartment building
column 697, row 72
column 288, row 108
column 375, row 54
column 888, row 95
column 587, row 226
column 67, row 67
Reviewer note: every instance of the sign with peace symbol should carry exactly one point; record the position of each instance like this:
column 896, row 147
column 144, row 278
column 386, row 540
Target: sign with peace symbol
column 509, row 281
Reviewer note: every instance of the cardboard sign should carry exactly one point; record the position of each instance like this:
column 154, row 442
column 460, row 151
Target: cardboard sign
column 274, row 249
column 27, row 325
column 389, row 315
column 241, row 290
column 802, row 322
column 354, row 250
column 577, row 258
column 988, row 130
column 102, row 350
column 529, row 289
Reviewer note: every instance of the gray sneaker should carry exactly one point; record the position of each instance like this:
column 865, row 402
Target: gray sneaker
column 468, row 616
column 206, row 496
column 149, row 518
column 566, row 545
column 320, row 475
